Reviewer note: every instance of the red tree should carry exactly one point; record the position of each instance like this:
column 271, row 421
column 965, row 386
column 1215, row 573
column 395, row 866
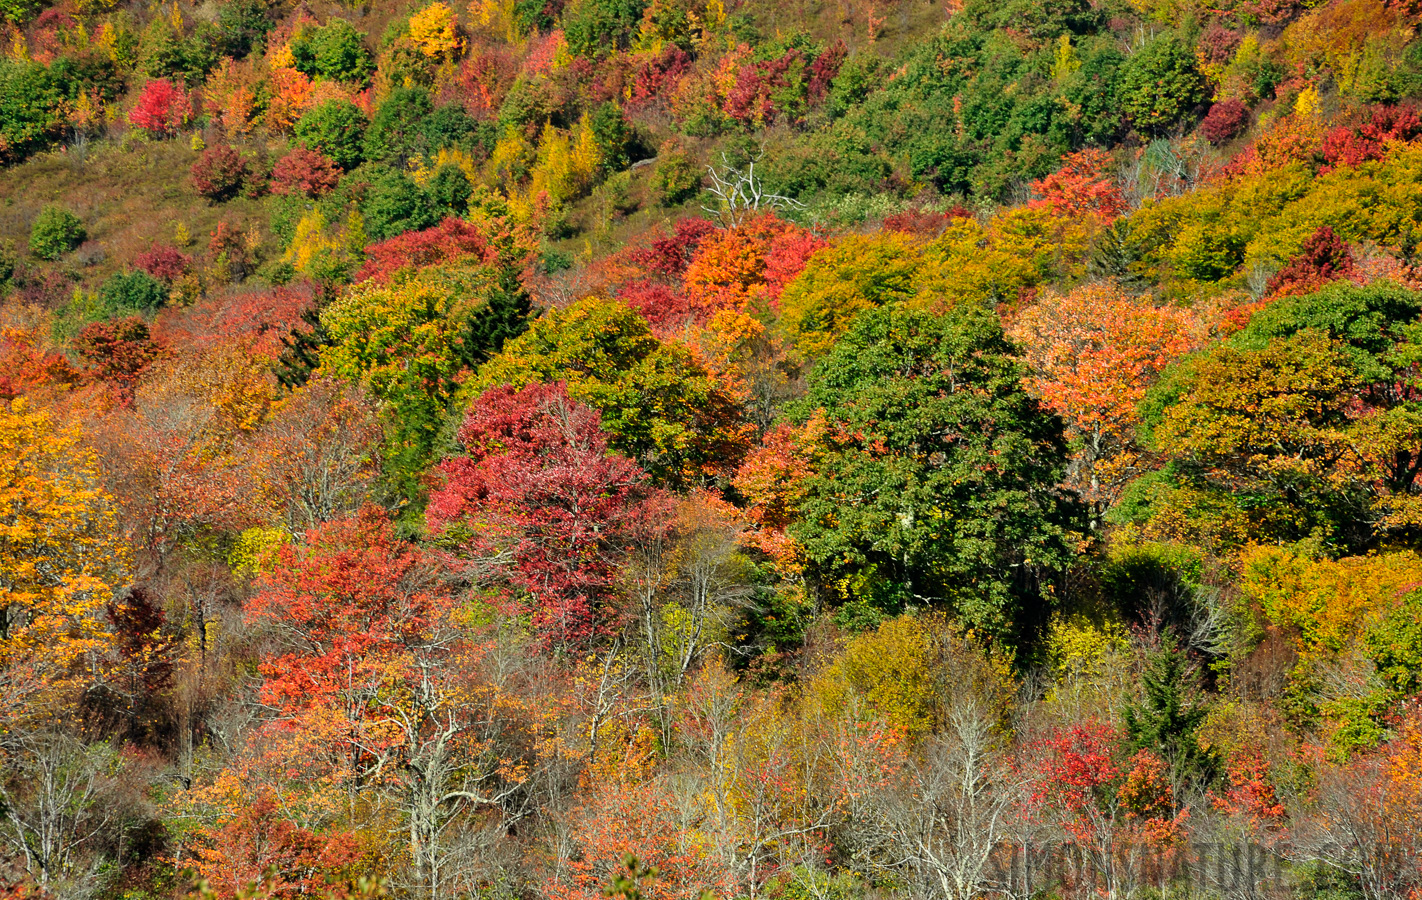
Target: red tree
column 167, row 264
column 539, row 483
column 344, row 605
column 1083, row 184
column 306, row 173
column 161, row 109
column 118, row 352
column 450, row 240
column 1324, row 258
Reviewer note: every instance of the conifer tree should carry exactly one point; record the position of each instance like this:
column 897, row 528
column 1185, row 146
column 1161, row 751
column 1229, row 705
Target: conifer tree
column 1167, row 719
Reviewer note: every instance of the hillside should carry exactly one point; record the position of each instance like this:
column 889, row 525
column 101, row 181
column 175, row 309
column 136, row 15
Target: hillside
column 685, row 449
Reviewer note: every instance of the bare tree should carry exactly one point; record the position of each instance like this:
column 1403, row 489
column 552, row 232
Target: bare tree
column 740, row 193
column 948, row 815
column 54, row 809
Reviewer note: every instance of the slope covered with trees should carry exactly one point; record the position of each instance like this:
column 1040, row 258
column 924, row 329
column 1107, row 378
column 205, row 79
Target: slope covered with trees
column 662, row 448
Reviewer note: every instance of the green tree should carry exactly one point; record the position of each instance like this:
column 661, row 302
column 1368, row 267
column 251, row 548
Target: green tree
column 658, row 403
column 335, row 50
column 128, row 292
column 1160, row 84
column 1167, row 720
column 334, row 128
column 55, row 232
column 397, row 131
column 29, row 104
column 935, row 475
column 859, row 272
column 395, row 204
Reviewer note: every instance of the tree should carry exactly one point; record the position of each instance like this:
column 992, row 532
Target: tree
column 538, row 482
column 857, row 273
column 1094, row 353
column 136, row 291
column 118, row 352
column 1167, row 720
column 934, row 480
column 162, row 108
column 335, row 50
column 657, row 403
column 317, row 457
column 1160, row 84
column 1270, row 424
column 305, row 173
column 335, row 129
column 1084, row 184
column 405, row 342
column 219, row 173
column 55, row 232
column 61, row 556
column 1324, row 258
column 30, row 105
column 58, row 805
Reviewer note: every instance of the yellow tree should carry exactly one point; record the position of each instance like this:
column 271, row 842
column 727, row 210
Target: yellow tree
column 60, row 554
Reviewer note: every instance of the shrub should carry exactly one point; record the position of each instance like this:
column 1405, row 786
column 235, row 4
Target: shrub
column 675, row 178
column 334, row 128
column 55, row 232
column 219, row 172
column 305, row 173
column 29, row 101
column 161, row 109
column 335, row 50
column 1225, row 121
column 135, row 291
column 167, row 264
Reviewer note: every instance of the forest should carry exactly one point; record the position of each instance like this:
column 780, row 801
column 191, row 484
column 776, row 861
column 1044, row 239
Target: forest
column 710, row 449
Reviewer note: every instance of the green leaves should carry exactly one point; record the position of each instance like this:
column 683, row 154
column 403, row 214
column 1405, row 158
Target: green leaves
column 936, row 471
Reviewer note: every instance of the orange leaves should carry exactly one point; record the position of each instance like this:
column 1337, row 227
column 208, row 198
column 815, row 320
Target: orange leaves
column 60, row 554
column 1094, row 353
column 735, row 265
column 1084, row 184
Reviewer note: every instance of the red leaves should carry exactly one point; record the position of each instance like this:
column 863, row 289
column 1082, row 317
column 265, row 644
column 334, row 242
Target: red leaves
column 1075, row 773
column 167, row 264
column 118, row 352
column 1225, row 121
column 344, row 607
column 449, row 241
column 261, row 846
column 539, row 485
column 1324, row 258
column 305, row 173
column 219, row 172
column 1347, row 147
column 162, row 108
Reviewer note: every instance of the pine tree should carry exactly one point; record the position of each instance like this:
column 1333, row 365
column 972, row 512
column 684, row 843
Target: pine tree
column 1113, row 254
column 302, row 350
column 1167, row 720
column 502, row 317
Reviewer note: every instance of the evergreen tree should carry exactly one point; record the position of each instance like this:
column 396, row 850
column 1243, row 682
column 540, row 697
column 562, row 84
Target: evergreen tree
column 501, row 318
column 301, row 352
column 1168, row 718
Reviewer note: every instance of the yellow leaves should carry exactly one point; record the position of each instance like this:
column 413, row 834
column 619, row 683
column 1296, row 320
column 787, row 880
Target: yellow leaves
column 1326, row 603
column 60, row 554
column 435, row 31
column 318, row 245
column 907, row 674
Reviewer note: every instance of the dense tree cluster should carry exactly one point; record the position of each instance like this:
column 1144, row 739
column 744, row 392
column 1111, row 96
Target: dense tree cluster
column 680, row 449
